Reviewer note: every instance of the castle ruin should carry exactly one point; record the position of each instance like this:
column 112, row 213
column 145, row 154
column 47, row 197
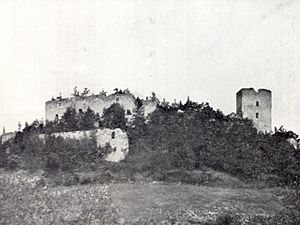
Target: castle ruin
column 55, row 108
column 257, row 106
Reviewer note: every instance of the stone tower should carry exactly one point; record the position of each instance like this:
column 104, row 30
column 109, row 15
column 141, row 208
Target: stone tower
column 257, row 106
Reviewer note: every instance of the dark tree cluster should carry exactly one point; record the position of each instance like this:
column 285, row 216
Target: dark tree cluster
column 73, row 121
column 191, row 135
column 113, row 117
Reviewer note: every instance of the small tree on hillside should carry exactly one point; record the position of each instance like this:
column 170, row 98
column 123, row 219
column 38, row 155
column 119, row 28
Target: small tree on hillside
column 153, row 96
column 85, row 92
column 69, row 120
column 19, row 126
column 138, row 103
column 138, row 123
column 75, row 92
column 53, row 126
column 114, row 117
column 88, row 120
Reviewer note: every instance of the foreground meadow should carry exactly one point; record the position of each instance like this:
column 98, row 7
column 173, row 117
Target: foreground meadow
column 29, row 199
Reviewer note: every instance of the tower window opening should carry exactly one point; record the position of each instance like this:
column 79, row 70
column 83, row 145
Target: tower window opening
column 257, row 103
column 257, row 115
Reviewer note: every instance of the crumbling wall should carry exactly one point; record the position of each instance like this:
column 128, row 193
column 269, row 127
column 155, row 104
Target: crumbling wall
column 56, row 108
column 116, row 138
column 149, row 106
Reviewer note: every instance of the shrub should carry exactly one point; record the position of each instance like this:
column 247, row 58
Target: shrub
column 55, row 154
column 114, row 117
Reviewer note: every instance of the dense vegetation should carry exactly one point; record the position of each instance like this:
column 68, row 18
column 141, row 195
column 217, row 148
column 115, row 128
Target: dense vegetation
column 193, row 136
column 54, row 154
column 72, row 121
column 179, row 136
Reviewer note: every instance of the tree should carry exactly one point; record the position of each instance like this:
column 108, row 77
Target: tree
column 138, row 124
column 75, row 92
column 116, row 90
column 85, row 92
column 153, row 96
column 53, row 126
column 88, row 120
column 283, row 134
column 126, row 91
column 138, row 103
column 35, row 127
column 70, row 120
column 19, row 126
column 59, row 97
column 103, row 93
column 114, row 117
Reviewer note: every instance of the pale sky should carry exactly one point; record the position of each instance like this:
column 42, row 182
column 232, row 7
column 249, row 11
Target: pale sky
column 205, row 49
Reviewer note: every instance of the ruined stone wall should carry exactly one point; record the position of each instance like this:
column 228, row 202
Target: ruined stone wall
column 149, row 106
column 56, row 108
column 95, row 102
column 116, row 138
column 257, row 106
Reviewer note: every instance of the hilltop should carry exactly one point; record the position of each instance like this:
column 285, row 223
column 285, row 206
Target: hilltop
column 190, row 144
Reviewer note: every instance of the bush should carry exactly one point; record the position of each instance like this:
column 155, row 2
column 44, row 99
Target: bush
column 114, row 117
column 55, row 154
column 3, row 155
column 70, row 121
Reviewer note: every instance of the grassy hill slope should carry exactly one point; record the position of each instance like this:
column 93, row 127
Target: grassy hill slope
column 28, row 199
column 189, row 203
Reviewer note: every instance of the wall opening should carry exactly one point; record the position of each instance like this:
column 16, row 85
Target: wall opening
column 257, row 103
column 257, row 115
column 113, row 135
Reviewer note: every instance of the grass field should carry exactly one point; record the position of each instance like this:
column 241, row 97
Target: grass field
column 189, row 203
column 26, row 199
column 25, row 203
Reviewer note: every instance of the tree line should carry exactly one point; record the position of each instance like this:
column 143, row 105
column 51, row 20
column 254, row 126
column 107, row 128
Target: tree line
column 187, row 136
column 192, row 136
column 73, row 120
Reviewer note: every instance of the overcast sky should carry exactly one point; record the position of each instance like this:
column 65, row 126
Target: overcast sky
column 205, row 49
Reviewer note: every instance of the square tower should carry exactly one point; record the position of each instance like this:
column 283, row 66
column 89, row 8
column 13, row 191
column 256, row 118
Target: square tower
column 257, row 106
